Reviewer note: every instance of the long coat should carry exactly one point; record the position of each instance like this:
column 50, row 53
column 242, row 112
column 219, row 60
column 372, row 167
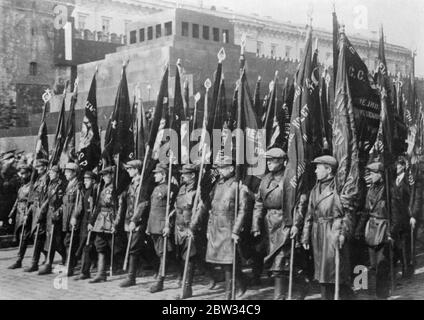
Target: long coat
column 268, row 211
column 324, row 221
column 9, row 185
column 50, row 209
column 71, row 205
column 222, row 222
column 89, row 200
column 158, row 202
column 19, row 210
column 400, row 197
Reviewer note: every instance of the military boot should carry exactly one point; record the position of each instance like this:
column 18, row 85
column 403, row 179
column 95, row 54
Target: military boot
column 101, row 269
column 45, row 269
column 158, row 286
column 16, row 265
column 241, row 284
column 85, row 265
column 187, row 290
column 279, row 288
column 132, row 269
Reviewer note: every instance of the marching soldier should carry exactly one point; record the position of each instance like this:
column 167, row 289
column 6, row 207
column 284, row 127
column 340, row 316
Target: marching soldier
column 104, row 222
column 326, row 227
column 19, row 214
column 134, row 209
column 71, row 211
column 183, row 217
column 36, row 199
column 51, row 213
column 400, row 198
column 157, row 226
column 223, row 227
column 86, row 250
column 279, row 226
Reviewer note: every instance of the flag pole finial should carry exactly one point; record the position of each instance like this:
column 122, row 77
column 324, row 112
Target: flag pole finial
column 259, row 78
column 47, row 95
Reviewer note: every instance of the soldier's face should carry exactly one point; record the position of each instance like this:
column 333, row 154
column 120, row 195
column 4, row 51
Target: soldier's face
column 24, row 175
column 53, row 175
column 70, row 174
column 375, row 177
column 400, row 168
column 41, row 169
column 159, row 176
column 107, row 178
column 322, row 172
column 187, row 177
column 132, row 172
column 275, row 165
column 226, row 172
column 88, row 182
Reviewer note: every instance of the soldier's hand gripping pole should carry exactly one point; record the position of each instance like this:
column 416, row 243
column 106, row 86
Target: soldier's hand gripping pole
column 289, row 295
column 127, row 252
column 337, row 275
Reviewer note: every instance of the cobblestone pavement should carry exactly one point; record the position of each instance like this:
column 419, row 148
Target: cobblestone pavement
column 16, row 284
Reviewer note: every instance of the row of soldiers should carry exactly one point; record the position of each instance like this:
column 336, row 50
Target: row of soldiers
column 84, row 222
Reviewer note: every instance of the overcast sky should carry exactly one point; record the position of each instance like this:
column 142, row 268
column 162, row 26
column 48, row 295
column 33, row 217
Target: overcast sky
column 403, row 20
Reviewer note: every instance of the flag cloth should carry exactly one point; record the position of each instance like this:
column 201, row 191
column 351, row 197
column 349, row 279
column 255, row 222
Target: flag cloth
column 257, row 99
column 42, row 142
column 297, row 177
column 288, row 96
column 60, row 135
column 345, row 144
column 119, row 139
column 68, row 152
column 89, row 145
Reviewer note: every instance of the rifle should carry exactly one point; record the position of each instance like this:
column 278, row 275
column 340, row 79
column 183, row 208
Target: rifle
column 72, row 235
column 165, row 240
column 289, row 296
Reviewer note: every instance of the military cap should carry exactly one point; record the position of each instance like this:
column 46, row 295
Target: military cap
column 328, row 160
column 90, row 175
column 107, row 170
column 23, row 167
column 55, row 168
column 189, row 168
column 275, row 153
column 401, row 160
column 41, row 162
column 376, row 167
column 8, row 155
column 136, row 164
column 71, row 166
column 161, row 167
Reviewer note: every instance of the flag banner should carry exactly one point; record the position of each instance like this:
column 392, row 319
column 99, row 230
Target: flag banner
column 89, row 144
column 345, row 144
column 68, row 152
column 60, row 135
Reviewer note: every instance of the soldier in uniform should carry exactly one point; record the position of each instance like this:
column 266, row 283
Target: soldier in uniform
column 51, row 213
column 327, row 227
column 157, row 226
column 400, row 199
column 280, row 227
column 9, row 185
column 71, row 211
column 183, row 217
column 87, row 252
column 104, row 222
column 19, row 214
column 134, row 209
column 36, row 199
column 224, row 226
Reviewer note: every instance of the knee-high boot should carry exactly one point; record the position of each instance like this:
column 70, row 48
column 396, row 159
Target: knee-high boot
column 158, row 286
column 132, row 270
column 279, row 287
column 101, row 269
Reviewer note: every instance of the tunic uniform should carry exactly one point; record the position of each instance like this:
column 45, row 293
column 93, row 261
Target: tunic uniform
column 51, row 214
column 268, row 211
column 37, row 197
column 20, row 211
column 137, row 215
column 183, row 216
column 222, row 221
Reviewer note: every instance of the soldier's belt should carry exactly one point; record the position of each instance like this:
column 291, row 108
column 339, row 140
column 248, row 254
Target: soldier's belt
column 322, row 219
column 378, row 218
